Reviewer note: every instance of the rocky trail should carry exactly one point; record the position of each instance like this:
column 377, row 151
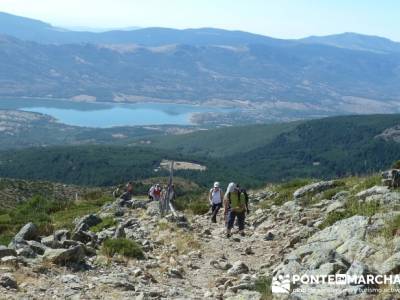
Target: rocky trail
column 188, row 257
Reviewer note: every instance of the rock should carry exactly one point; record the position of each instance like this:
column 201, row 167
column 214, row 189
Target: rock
column 86, row 222
column 62, row 235
column 37, row 247
column 358, row 268
column 391, row 265
column 65, row 256
column 120, row 281
column 12, row 260
column 238, row 268
column 4, row 251
column 26, row 252
column 269, row 236
column 375, row 190
column 51, row 242
column 335, row 206
column 119, row 232
column 248, row 251
column 314, row 188
column 245, row 295
column 7, row 280
column 175, row 273
column 27, row 232
column 84, row 236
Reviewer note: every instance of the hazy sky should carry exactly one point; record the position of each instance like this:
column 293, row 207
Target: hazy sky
column 277, row 18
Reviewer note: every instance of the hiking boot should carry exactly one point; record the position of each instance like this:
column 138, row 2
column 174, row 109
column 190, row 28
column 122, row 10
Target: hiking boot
column 213, row 221
column 228, row 235
column 241, row 233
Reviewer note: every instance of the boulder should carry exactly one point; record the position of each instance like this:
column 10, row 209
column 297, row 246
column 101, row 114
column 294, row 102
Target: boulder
column 62, row 235
column 238, row 268
column 50, row 241
column 4, row 251
column 391, row 265
column 37, row 247
column 375, row 190
column 314, row 188
column 65, row 256
column 86, row 222
column 7, row 280
column 27, row 232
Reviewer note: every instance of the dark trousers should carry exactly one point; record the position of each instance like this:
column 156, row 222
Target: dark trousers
column 215, row 209
column 232, row 215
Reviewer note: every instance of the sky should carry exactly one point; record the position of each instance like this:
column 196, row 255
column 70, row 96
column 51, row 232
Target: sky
column 276, row 18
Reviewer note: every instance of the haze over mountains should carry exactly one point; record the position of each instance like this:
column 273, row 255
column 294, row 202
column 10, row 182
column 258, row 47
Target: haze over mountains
column 345, row 73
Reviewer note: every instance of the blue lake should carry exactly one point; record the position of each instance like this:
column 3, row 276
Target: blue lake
column 108, row 115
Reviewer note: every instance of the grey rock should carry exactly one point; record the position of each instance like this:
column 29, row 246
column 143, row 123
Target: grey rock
column 86, row 222
column 27, row 232
column 120, row 281
column 26, row 252
column 7, row 280
column 314, row 188
column 269, row 236
column 65, row 256
column 37, row 247
column 375, row 190
column 4, row 251
column 244, row 295
column 62, row 235
column 175, row 273
column 238, row 268
column 13, row 260
column 51, row 242
column 84, row 236
column 391, row 265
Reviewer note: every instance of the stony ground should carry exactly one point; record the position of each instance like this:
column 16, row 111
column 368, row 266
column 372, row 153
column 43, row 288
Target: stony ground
column 190, row 258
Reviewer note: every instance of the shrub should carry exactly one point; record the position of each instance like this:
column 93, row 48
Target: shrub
column 263, row 286
column 352, row 207
column 122, row 246
column 105, row 223
column 199, row 207
column 391, row 226
column 396, row 165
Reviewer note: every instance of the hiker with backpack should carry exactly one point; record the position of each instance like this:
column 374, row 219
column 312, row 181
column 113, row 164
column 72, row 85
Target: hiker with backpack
column 235, row 208
column 155, row 192
column 215, row 197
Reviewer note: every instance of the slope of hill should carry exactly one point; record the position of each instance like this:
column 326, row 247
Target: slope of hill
column 350, row 40
column 325, row 148
column 20, row 129
column 37, row 31
column 305, row 79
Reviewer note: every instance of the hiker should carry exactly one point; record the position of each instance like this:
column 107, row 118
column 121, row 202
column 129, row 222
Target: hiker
column 215, row 197
column 155, row 193
column 234, row 207
column 127, row 195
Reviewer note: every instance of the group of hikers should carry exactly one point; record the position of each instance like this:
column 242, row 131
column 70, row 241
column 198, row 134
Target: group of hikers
column 235, row 202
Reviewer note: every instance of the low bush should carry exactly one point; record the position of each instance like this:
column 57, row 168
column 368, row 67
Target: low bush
column 122, row 246
column 263, row 286
column 105, row 223
column 352, row 207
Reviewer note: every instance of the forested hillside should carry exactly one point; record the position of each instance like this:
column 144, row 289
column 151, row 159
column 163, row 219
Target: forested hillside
column 252, row 155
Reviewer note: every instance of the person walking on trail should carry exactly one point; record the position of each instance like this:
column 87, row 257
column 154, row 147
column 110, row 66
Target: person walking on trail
column 215, row 197
column 155, row 193
column 234, row 208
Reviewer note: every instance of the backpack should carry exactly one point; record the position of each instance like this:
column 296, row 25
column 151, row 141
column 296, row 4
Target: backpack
column 237, row 201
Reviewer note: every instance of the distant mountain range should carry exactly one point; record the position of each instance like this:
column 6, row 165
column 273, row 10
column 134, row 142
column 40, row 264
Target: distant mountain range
column 347, row 73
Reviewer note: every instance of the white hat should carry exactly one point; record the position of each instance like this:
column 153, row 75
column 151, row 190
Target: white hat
column 216, row 184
